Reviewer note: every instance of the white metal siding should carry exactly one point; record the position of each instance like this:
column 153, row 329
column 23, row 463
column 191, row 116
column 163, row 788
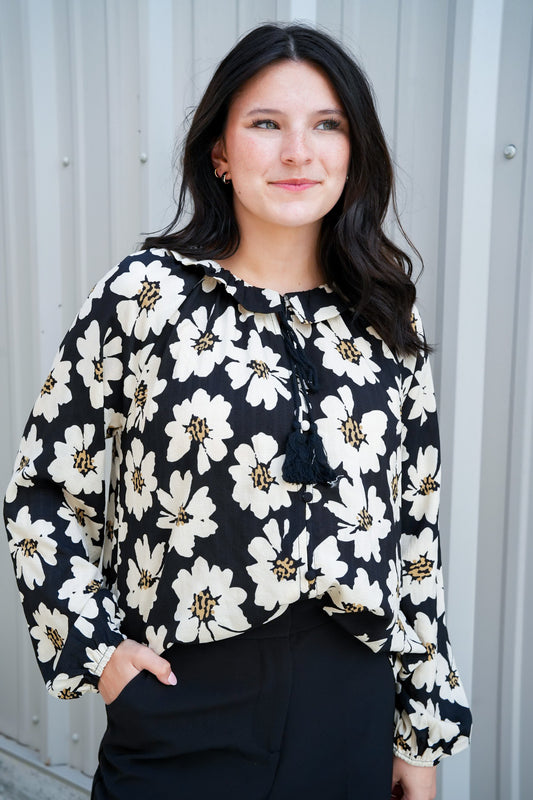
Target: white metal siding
column 93, row 94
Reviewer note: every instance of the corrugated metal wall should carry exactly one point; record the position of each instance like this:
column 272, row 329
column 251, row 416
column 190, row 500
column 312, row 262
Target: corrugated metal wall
column 92, row 97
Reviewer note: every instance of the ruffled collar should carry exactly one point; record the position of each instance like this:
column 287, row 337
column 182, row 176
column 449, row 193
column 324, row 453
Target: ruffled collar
column 313, row 305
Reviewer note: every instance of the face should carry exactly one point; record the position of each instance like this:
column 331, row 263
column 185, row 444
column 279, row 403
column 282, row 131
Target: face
column 286, row 147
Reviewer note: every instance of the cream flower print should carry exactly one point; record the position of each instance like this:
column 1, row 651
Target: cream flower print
column 356, row 441
column 261, row 322
column 30, row 545
column 394, row 480
column 257, row 476
column 201, row 426
column 120, row 529
column 404, row 639
column 208, row 606
column 156, row 638
column 79, row 592
column 77, row 464
column 426, row 672
column 139, row 479
column 82, row 520
column 111, row 532
column 397, row 395
column 278, row 565
column 115, row 615
column 65, row 687
column 50, row 631
column 152, row 294
column 393, row 584
column 95, row 656
column 361, row 519
column 422, row 394
column 451, row 688
column 95, row 294
column 143, row 576
column 142, row 386
column 258, row 367
column 326, row 566
column 428, row 718
column 202, row 343
column 424, row 485
column 345, row 355
column 419, row 563
column 303, row 330
column 374, row 644
column 362, row 596
column 186, row 516
column 209, row 284
column 30, row 449
column 98, row 366
column 55, row 391
column 324, row 312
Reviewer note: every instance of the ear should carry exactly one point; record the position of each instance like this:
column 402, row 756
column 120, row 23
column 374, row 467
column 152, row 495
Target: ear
column 219, row 158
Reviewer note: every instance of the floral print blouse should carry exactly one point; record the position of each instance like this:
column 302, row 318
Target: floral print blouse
column 149, row 500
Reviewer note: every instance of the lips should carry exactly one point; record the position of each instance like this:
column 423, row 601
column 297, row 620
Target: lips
column 295, row 184
column 296, row 181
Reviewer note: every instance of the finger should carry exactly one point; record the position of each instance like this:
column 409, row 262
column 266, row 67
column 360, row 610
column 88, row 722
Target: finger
column 160, row 667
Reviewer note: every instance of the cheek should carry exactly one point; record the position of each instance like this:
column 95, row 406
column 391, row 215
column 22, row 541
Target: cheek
column 337, row 157
column 250, row 155
column 341, row 158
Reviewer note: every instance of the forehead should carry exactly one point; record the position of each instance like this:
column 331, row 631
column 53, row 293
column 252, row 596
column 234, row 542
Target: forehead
column 285, row 83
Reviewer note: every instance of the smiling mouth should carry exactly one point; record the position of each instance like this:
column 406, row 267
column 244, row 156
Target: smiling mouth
column 295, row 184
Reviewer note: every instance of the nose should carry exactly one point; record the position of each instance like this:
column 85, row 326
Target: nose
column 296, row 148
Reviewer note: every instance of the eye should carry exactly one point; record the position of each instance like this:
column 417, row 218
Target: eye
column 266, row 124
column 328, row 125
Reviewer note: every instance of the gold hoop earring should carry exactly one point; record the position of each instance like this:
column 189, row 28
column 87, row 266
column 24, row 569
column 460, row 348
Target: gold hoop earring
column 224, row 179
column 216, row 174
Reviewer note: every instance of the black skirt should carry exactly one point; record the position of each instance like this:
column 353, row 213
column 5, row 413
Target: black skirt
column 295, row 706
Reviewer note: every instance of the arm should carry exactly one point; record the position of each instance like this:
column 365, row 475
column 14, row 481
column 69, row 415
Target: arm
column 432, row 716
column 55, row 506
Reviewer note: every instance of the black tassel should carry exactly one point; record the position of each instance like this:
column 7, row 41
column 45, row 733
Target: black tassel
column 305, row 459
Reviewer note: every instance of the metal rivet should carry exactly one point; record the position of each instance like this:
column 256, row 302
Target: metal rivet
column 143, row 158
column 509, row 151
column 75, row 737
column 35, row 719
column 65, row 161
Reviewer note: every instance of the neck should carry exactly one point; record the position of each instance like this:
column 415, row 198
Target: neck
column 284, row 259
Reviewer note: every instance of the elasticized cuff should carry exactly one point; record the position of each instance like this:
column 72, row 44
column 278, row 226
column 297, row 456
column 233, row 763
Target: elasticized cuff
column 99, row 668
column 416, row 762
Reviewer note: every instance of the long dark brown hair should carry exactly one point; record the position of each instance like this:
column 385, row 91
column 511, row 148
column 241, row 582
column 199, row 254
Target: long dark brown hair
column 358, row 259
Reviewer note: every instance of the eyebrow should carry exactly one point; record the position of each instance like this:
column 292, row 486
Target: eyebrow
column 256, row 111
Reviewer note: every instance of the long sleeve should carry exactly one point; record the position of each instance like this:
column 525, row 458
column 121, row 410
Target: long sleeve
column 432, row 718
column 55, row 506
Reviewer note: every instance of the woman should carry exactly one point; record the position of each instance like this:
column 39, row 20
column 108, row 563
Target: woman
column 260, row 601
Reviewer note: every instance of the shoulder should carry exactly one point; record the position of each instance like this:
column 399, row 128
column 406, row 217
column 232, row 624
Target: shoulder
column 156, row 266
column 411, row 362
column 146, row 285
column 416, row 322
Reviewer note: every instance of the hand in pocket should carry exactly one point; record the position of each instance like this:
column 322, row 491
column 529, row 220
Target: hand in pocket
column 127, row 661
